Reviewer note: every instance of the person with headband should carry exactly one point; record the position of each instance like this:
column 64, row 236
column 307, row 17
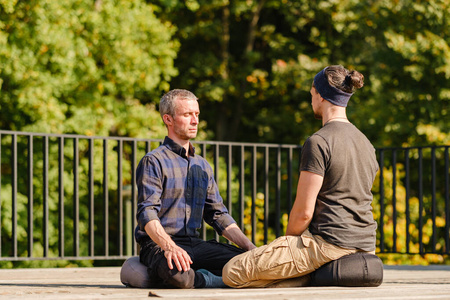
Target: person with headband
column 331, row 218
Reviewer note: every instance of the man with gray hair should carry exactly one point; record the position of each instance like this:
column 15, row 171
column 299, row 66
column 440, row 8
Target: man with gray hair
column 176, row 191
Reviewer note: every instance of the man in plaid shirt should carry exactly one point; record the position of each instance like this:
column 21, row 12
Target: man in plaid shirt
column 176, row 191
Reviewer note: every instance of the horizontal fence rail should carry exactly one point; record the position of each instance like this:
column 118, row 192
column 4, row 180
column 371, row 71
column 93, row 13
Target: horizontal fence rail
column 73, row 197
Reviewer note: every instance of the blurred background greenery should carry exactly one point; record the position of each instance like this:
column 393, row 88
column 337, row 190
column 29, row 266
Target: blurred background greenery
column 99, row 67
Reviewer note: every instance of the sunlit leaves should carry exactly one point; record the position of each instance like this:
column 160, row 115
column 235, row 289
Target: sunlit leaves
column 80, row 66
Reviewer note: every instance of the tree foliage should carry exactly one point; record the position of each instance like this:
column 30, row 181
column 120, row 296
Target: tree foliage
column 99, row 67
column 82, row 67
column 252, row 63
column 85, row 67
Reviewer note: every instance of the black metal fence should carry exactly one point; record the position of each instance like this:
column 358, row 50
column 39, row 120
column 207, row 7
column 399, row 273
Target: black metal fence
column 73, row 197
column 411, row 202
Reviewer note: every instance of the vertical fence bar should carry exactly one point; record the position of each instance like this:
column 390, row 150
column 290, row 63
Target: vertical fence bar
column 241, row 188
column 433, row 198
column 30, row 196
column 14, row 194
column 76, row 205
column 278, row 199
column 147, row 147
column 216, row 173
column 120, row 195
column 61, row 197
column 394, row 200
column 420, row 201
column 204, row 234
column 133, row 194
column 91, row 196
column 407, row 195
column 289, row 182
column 381, row 163
column 266, row 194
column 447, row 203
column 106, row 196
column 45, row 197
column 229, row 203
column 254, row 183
column 216, row 162
column 229, row 176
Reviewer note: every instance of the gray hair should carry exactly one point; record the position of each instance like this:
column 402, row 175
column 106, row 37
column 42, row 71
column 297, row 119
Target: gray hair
column 167, row 102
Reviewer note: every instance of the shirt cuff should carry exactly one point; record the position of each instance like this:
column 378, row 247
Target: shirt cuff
column 222, row 222
column 147, row 215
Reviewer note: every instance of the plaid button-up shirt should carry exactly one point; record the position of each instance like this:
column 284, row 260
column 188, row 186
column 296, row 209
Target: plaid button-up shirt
column 179, row 191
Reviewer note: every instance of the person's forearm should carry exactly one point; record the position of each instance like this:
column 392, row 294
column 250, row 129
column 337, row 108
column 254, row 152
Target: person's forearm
column 173, row 253
column 234, row 234
column 157, row 233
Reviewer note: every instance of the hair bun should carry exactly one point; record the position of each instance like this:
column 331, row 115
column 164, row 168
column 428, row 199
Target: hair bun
column 355, row 79
column 348, row 80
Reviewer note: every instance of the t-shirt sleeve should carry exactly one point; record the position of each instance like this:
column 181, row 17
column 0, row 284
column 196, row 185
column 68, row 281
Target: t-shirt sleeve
column 315, row 155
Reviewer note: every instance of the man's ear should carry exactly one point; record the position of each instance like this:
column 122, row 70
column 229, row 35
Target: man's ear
column 167, row 119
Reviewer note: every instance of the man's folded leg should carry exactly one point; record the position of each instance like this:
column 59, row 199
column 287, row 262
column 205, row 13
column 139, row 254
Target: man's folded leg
column 175, row 278
column 160, row 276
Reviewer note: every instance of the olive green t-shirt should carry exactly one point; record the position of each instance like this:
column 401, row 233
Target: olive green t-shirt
column 346, row 159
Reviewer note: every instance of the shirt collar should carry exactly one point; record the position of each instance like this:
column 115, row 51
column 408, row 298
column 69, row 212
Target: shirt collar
column 176, row 148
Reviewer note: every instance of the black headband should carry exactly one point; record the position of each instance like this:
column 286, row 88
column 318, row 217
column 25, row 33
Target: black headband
column 328, row 92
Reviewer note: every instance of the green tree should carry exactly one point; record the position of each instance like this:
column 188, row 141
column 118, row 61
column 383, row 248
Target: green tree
column 252, row 63
column 80, row 66
column 408, row 72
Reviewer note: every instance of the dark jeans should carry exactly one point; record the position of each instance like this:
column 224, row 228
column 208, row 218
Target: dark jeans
column 210, row 255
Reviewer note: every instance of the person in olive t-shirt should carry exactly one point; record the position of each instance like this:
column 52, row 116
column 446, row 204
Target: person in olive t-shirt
column 332, row 214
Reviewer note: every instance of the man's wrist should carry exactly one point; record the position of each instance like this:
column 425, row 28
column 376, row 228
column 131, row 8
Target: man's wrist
column 168, row 245
column 250, row 246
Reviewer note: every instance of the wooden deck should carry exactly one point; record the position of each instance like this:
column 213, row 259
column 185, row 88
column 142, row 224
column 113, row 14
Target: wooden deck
column 400, row 282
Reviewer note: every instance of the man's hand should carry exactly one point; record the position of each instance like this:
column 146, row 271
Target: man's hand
column 179, row 256
column 172, row 252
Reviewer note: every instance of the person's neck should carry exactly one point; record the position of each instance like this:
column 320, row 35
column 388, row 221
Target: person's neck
column 337, row 119
column 181, row 142
column 333, row 113
column 335, row 116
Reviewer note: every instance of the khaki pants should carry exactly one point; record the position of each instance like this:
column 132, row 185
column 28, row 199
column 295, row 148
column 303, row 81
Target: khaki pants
column 286, row 257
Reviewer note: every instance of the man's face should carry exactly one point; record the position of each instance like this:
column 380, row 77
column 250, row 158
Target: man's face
column 185, row 120
column 316, row 103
